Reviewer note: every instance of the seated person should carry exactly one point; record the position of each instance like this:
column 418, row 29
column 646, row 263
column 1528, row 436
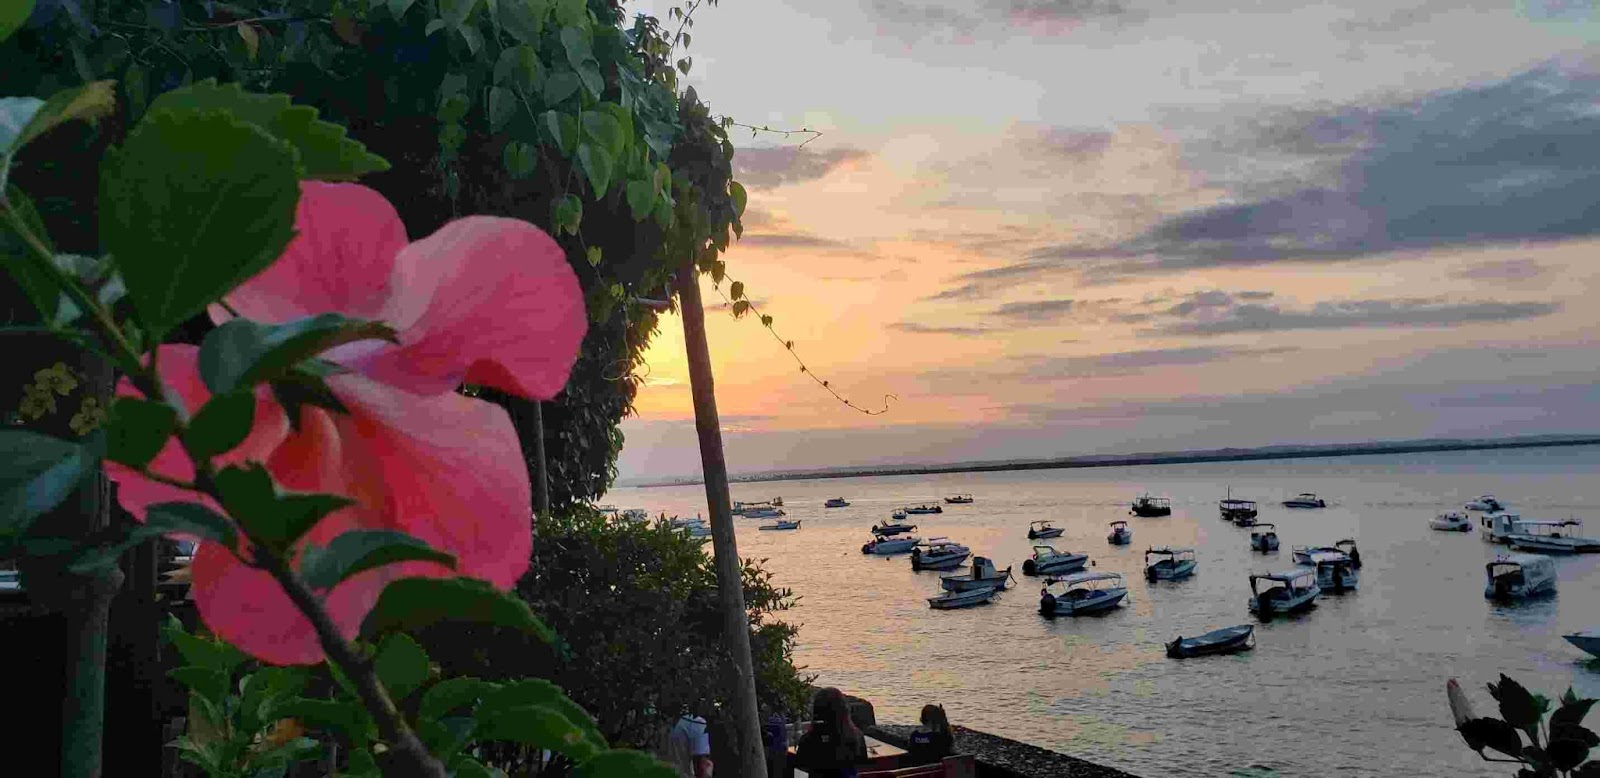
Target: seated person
column 931, row 742
column 834, row 746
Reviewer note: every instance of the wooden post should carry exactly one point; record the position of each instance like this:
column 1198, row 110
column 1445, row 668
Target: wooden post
column 730, row 578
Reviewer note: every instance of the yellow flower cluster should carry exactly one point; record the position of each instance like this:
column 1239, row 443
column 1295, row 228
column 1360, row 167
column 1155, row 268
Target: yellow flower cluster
column 39, row 399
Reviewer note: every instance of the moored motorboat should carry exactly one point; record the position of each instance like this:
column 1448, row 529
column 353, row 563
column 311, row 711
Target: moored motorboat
column 1170, row 563
column 1552, row 537
column 836, row 502
column 1499, row 527
column 746, row 508
column 1120, row 534
column 1302, row 554
column 939, row 554
column 1048, row 561
column 1241, row 512
column 763, row 513
column 781, row 524
column 1454, row 521
column 1588, row 640
column 1290, row 591
column 963, row 599
column 1336, row 572
column 1486, row 504
column 1082, row 593
column 1264, row 537
column 1148, row 507
column 959, row 499
column 983, row 574
column 1040, row 530
column 1348, row 546
column 898, row 515
column 917, row 510
column 893, row 527
column 884, row 546
column 1218, row 641
column 1516, row 576
column 1305, row 500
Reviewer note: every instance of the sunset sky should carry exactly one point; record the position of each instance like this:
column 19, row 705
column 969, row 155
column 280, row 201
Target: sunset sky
column 1064, row 227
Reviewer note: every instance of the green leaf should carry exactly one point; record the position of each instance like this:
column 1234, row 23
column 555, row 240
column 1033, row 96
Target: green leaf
column 604, row 129
column 736, row 290
column 346, row 718
column 641, row 198
column 1517, row 706
column 398, row 8
column 1571, row 712
column 619, row 763
column 471, row 35
column 537, row 691
column 242, row 353
column 596, row 163
column 191, row 206
column 410, row 603
column 214, row 655
column 39, row 286
column 560, row 86
column 326, row 152
column 88, row 103
column 538, row 726
column 221, row 425
column 273, row 519
column 451, row 694
column 520, row 159
column 593, row 254
column 39, row 472
column 502, row 103
column 1492, row 733
column 455, row 12
column 518, row 67
column 206, row 682
column 137, row 430
column 169, row 518
column 12, row 14
column 740, row 308
column 739, row 196
column 593, row 82
column 576, row 45
column 401, row 665
column 567, row 214
column 265, row 689
column 563, row 130
column 571, row 13
column 301, row 388
column 359, row 550
column 1567, row 752
column 15, row 113
column 524, row 19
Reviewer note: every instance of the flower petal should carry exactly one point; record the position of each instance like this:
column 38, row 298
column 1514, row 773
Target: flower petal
column 180, row 371
column 487, row 298
column 341, row 261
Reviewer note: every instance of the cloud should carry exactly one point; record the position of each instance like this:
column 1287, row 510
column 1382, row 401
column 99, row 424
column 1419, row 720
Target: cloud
column 929, row 329
column 961, row 22
column 1034, row 311
column 1118, row 363
column 768, row 167
column 1502, row 270
column 793, row 240
column 1354, row 314
column 963, row 292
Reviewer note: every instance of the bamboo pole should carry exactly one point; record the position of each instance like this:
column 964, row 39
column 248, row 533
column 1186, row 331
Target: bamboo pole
column 730, row 578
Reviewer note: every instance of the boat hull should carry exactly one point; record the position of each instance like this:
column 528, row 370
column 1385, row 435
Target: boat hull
column 1222, row 641
column 1161, row 572
column 1343, row 583
column 1053, row 532
column 1150, row 513
column 923, row 511
column 1120, row 538
column 890, row 547
column 1060, row 566
column 1096, row 602
column 953, row 583
column 1304, row 504
column 1264, row 543
column 942, row 565
column 1549, row 545
column 1282, row 606
column 1450, row 526
column 965, row 599
column 892, row 529
column 780, row 526
column 1587, row 641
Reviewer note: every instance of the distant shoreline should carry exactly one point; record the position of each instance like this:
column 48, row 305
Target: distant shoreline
column 1173, row 458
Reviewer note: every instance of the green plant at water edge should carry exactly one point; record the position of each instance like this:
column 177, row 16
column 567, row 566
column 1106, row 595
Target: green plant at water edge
column 1545, row 748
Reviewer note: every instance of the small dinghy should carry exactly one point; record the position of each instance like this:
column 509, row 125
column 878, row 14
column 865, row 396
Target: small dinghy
column 1302, row 554
column 917, row 510
column 1486, row 504
column 1336, row 572
column 1120, row 534
column 983, row 574
column 1040, row 530
column 1264, row 538
column 1588, row 640
column 959, row 499
column 1170, row 564
column 1048, row 561
column 966, row 599
column 939, row 554
column 898, row 515
column 1305, row 500
column 1082, row 593
column 884, row 546
column 892, row 527
column 1451, row 522
column 1519, row 576
column 836, row 502
column 1227, row 640
column 781, row 524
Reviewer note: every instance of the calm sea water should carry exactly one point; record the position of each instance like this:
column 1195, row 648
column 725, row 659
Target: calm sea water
column 1354, row 687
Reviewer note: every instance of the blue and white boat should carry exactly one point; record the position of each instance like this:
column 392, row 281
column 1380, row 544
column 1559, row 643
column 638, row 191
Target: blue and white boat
column 1120, row 534
column 1081, row 593
column 1170, row 563
column 1290, row 591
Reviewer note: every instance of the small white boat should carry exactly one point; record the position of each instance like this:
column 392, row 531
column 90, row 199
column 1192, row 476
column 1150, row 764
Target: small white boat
column 1552, row 537
column 1454, row 521
column 694, row 528
column 1040, row 530
column 781, row 525
column 939, row 554
column 1170, row 563
column 884, row 546
column 1516, row 576
column 963, row 599
column 1120, row 534
column 983, row 574
column 1302, row 554
column 1335, row 571
column 763, row 513
column 959, row 499
column 893, row 527
column 1082, row 593
column 836, row 502
column 1290, row 591
column 1048, row 561
column 1218, row 641
column 1150, row 507
column 1305, row 500
column 1588, row 640
column 1486, row 504
column 634, row 515
column 898, row 515
column 917, row 510
column 1264, row 537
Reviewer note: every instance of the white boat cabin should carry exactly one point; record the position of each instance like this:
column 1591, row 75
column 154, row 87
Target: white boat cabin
column 1288, row 591
column 1516, row 576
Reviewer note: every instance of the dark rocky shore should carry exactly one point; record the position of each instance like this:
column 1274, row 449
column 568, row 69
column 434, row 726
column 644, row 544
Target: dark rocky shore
column 1000, row 757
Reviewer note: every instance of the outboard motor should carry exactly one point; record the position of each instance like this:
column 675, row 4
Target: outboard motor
column 1029, row 568
column 866, row 548
column 1150, row 573
column 916, row 559
column 1503, row 585
column 1264, row 606
column 1355, row 557
column 1338, row 578
column 1047, row 603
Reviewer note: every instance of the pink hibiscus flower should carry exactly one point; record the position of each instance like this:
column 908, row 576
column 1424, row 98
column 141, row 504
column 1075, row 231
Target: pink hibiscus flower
column 484, row 300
